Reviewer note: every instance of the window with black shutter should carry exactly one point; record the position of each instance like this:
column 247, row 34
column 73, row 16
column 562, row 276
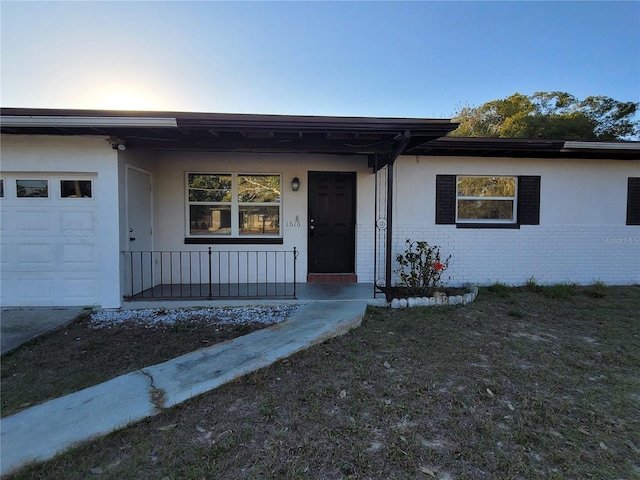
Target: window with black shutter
column 633, row 201
column 484, row 201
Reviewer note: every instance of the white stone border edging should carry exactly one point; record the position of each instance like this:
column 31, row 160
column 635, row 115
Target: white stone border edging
column 438, row 300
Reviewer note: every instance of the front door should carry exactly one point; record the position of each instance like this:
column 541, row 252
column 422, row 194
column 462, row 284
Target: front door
column 332, row 220
column 139, row 233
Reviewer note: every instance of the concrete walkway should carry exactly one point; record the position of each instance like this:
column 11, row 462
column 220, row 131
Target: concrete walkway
column 41, row 432
column 19, row 325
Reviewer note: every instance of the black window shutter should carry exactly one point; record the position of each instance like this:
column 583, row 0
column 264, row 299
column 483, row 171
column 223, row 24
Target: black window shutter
column 633, row 201
column 529, row 200
column 445, row 199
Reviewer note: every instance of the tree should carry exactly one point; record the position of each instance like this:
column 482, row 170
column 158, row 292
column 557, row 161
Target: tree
column 550, row 115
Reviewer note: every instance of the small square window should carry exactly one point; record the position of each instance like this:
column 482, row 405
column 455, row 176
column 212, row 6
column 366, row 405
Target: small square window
column 76, row 189
column 32, row 188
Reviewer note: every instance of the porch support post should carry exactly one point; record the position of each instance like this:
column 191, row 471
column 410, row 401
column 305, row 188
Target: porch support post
column 403, row 140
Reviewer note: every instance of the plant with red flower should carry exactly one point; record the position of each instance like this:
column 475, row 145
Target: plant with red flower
column 421, row 268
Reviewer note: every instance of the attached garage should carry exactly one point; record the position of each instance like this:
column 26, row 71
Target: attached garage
column 49, row 239
column 59, row 197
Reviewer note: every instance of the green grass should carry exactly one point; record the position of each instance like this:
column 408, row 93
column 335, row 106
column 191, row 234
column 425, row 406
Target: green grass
column 520, row 384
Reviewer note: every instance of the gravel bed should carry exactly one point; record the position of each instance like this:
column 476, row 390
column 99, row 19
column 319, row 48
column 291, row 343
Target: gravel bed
column 209, row 316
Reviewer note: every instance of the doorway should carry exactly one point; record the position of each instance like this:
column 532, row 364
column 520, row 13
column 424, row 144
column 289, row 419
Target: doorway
column 139, row 229
column 332, row 221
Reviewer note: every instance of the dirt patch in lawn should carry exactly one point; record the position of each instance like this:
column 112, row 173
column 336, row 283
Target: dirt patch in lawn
column 517, row 385
column 96, row 348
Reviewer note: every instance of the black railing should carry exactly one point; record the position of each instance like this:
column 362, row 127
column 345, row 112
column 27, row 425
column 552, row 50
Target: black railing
column 210, row 274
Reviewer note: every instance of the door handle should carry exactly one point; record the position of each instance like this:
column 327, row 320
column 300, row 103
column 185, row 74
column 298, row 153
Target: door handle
column 132, row 239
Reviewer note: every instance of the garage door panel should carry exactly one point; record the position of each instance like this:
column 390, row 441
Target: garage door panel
column 35, row 289
column 33, row 221
column 79, row 222
column 31, row 253
column 76, row 254
column 77, row 290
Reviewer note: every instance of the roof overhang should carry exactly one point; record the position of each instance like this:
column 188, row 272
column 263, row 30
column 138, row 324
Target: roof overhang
column 527, row 148
column 380, row 137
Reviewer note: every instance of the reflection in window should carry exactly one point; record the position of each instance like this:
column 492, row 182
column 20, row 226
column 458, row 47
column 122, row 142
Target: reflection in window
column 32, row 188
column 259, row 188
column 75, row 189
column 209, row 220
column 233, row 204
column 259, row 220
column 209, row 188
column 486, row 199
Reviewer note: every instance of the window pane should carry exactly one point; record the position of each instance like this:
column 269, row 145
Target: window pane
column 485, row 209
column 209, row 188
column 209, row 220
column 486, row 186
column 1, row 187
column 32, row 188
column 259, row 220
column 75, row 188
column 259, row 188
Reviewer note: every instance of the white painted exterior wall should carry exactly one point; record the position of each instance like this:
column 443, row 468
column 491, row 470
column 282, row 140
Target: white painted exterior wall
column 582, row 236
column 59, row 251
column 170, row 171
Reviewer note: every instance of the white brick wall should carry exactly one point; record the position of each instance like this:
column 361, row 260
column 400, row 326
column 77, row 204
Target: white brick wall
column 582, row 236
column 550, row 254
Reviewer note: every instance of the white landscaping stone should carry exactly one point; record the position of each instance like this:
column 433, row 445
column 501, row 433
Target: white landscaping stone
column 395, row 303
column 411, row 302
column 403, row 303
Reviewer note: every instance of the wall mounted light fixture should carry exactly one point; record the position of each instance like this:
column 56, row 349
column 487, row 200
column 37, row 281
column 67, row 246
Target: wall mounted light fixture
column 117, row 143
column 295, row 184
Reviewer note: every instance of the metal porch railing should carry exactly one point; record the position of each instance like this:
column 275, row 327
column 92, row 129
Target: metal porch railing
column 210, row 274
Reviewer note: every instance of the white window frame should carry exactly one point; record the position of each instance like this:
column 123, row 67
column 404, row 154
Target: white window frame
column 234, row 206
column 514, row 199
column 49, row 188
column 80, row 179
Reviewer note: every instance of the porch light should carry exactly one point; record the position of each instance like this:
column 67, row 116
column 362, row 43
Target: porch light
column 295, row 184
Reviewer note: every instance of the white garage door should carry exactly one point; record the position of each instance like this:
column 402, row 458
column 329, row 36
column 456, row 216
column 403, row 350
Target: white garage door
column 49, row 244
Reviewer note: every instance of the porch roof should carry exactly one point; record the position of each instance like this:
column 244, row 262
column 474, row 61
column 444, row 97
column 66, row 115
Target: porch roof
column 232, row 132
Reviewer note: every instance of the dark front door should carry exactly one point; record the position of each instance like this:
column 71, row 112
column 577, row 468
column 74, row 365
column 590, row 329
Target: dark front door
column 332, row 221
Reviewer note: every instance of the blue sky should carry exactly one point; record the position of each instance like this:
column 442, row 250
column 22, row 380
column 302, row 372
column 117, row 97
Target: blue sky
column 396, row 59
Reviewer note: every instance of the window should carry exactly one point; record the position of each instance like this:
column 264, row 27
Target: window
column 32, row 188
column 1, row 187
column 233, row 205
column 633, row 201
column 486, row 199
column 75, row 189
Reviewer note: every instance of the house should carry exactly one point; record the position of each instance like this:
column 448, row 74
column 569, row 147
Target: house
column 101, row 206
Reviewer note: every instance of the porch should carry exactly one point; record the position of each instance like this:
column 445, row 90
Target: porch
column 198, row 277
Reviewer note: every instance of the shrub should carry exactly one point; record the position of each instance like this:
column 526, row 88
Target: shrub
column 597, row 290
column 420, row 268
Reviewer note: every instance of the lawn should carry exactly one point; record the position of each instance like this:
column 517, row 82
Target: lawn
column 527, row 383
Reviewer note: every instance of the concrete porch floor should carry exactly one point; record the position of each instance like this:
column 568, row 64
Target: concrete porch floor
column 305, row 293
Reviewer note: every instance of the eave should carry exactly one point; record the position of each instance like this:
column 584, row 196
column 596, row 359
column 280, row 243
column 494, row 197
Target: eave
column 232, row 132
